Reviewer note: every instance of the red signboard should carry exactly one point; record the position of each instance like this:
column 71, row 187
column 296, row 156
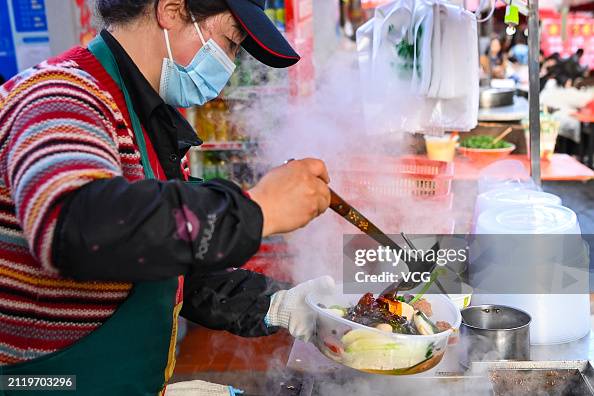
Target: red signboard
column 579, row 33
column 299, row 16
column 87, row 31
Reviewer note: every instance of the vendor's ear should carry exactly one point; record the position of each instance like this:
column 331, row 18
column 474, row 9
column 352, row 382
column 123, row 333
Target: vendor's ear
column 170, row 13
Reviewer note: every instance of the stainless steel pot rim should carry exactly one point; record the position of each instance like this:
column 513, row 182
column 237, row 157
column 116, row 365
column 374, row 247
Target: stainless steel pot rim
column 498, row 90
column 495, row 306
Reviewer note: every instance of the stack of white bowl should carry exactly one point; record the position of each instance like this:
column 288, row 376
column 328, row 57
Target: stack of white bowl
column 556, row 318
column 505, row 197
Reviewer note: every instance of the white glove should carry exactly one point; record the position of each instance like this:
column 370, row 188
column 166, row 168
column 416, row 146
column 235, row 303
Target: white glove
column 289, row 310
column 200, row 388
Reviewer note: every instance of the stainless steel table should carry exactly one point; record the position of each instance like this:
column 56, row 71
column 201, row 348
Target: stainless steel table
column 307, row 373
column 566, row 366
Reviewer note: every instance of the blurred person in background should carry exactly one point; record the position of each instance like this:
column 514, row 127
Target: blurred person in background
column 517, row 71
column 551, row 69
column 494, row 60
column 517, row 56
column 573, row 69
column 101, row 238
column 519, row 48
column 566, row 72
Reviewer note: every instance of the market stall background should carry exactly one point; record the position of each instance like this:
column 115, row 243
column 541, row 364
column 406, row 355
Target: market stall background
column 566, row 35
column 236, row 146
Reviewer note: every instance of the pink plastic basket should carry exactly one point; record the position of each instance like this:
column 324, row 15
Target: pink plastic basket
column 401, row 177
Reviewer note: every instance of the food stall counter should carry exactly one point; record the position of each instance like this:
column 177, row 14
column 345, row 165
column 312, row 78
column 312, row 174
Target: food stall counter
column 566, row 367
column 561, row 167
column 306, row 372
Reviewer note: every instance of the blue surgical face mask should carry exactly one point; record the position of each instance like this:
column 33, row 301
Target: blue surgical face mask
column 202, row 80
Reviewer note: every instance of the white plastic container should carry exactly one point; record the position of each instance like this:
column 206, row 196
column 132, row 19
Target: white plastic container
column 528, row 219
column 556, row 318
column 505, row 174
column 463, row 299
column 504, row 197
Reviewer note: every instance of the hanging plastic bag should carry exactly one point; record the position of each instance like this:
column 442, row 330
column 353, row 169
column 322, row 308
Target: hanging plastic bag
column 458, row 105
column 422, row 34
column 421, row 72
column 391, row 24
column 364, row 38
column 390, row 69
column 453, row 81
column 439, row 19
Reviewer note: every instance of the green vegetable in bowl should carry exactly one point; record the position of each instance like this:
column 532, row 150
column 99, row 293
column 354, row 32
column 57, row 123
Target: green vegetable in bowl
column 484, row 142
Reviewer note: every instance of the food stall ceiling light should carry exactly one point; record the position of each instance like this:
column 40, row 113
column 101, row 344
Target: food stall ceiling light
column 510, row 30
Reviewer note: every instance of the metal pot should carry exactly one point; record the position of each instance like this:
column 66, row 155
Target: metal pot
column 496, row 97
column 494, row 332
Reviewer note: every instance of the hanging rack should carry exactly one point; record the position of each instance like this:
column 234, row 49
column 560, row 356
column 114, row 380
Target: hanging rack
column 530, row 10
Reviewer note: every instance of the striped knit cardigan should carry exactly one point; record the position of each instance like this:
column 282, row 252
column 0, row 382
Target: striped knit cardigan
column 63, row 124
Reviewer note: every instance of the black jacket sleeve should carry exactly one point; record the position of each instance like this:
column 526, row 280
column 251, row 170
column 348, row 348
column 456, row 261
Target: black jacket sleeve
column 235, row 300
column 150, row 230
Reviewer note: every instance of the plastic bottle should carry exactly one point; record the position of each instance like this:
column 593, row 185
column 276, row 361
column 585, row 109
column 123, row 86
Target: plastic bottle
column 210, row 166
column 221, row 124
column 279, row 6
column 209, row 122
column 270, row 10
column 223, row 169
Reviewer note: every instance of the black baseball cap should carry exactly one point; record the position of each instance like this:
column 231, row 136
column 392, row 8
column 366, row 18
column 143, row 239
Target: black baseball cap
column 264, row 42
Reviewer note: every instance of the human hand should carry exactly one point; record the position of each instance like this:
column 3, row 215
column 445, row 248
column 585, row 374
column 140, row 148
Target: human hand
column 292, row 195
column 288, row 308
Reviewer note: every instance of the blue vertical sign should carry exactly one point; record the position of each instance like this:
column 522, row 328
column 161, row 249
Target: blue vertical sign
column 24, row 39
column 29, row 16
column 8, row 62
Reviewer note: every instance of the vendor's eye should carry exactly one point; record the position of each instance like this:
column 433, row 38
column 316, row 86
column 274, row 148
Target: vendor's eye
column 233, row 46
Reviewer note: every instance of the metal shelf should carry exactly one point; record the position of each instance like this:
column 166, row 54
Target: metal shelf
column 246, row 93
column 223, row 146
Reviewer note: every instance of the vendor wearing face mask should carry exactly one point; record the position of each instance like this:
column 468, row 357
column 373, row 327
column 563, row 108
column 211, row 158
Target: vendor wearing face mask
column 99, row 233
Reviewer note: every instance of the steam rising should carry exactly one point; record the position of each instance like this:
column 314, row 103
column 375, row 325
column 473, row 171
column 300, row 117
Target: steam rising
column 330, row 125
